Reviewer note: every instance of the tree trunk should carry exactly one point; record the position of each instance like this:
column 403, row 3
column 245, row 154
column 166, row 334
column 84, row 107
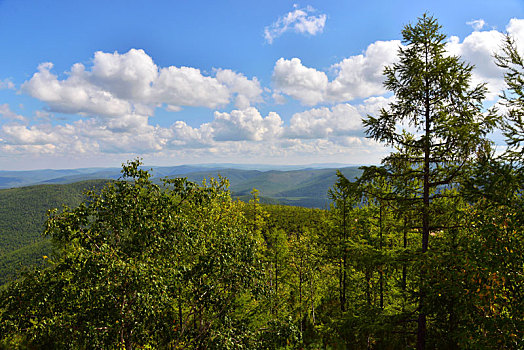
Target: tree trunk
column 404, row 265
column 381, row 267
column 344, row 258
column 421, row 332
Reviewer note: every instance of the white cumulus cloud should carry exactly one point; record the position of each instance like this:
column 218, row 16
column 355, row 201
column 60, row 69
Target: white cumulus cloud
column 477, row 24
column 478, row 49
column 76, row 94
column 515, row 28
column 299, row 21
column 128, row 76
column 22, row 135
column 245, row 124
column 292, row 78
column 122, row 84
column 357, row 76
column 187, row 86
column 362, row 76
column 342, row 119
column 247, row 91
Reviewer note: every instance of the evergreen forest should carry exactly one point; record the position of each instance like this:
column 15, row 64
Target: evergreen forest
column 424, row 251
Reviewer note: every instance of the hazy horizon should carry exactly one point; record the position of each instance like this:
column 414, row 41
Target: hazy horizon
column 250, row 166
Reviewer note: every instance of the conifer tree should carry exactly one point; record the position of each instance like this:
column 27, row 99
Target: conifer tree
column 433, row 97
column 513, row 99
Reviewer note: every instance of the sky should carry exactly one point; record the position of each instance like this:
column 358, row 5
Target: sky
column 97, row 83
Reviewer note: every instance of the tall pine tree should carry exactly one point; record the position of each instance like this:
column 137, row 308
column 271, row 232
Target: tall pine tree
column 434, row 99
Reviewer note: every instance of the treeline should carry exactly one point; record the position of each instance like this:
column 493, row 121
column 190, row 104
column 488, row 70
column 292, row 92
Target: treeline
column 425, row 251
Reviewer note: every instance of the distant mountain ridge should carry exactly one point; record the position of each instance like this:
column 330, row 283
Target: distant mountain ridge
column 235, row 172
column 10, row 179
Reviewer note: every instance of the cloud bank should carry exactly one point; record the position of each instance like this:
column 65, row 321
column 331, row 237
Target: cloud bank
column 109, row 105
column 131, row 82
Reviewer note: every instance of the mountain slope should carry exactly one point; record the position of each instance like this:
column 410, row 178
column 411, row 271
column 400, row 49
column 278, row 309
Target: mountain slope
column 22, row 216
column 23, row 210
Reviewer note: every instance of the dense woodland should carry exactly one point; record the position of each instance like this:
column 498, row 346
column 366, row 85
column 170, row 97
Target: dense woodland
column 22, row 216
column 425, row 251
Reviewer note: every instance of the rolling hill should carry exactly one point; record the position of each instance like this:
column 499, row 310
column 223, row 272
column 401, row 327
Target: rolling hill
column 22, row 216
column 23, row 209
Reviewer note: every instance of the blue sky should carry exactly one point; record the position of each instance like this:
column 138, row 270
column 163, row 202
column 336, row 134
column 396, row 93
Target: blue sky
column 176, row 82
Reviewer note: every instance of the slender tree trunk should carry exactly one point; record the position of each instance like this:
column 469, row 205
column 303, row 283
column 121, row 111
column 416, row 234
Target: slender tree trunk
column 404, row 264
column 312, row 298
column 368, row 290
column 276, row 280
column 300, row 299
column 381, row 267
column 422, row 331
column 344, row 258
column 453, row 317
column 180, row 307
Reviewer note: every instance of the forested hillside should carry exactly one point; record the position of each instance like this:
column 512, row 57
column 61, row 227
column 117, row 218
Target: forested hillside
column 22, row 216
column 306, row 188
column 23, row 210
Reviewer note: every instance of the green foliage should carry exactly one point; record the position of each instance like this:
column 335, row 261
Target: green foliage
column 434, row 98
column 441, row 187
column 12, row 263
column 513, row 98
column 426, row 250
column 138, row 264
